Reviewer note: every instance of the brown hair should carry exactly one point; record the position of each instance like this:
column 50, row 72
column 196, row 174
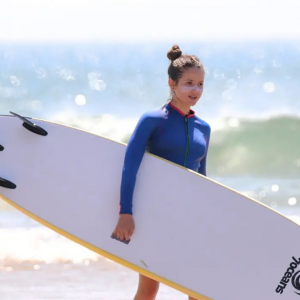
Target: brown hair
column 180, row 63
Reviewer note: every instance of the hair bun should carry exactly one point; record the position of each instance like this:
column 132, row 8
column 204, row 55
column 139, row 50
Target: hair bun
column 174, row 53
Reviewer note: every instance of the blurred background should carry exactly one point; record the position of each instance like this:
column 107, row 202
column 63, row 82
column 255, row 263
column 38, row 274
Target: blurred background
column 99, row 65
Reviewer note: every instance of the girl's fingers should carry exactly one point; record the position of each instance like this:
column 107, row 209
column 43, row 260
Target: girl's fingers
column 131, row 232
column 127, row 237
column 115, row 231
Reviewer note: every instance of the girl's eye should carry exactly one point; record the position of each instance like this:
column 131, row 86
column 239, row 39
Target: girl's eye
column 200, row 84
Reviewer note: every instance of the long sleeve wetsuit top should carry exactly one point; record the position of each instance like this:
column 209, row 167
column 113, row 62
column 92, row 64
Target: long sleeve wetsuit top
column 169, row 133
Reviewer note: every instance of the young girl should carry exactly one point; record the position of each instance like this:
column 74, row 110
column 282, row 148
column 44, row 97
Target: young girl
column 172, row 132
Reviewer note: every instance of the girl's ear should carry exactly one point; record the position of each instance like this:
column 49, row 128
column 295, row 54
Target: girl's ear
column 171, row 83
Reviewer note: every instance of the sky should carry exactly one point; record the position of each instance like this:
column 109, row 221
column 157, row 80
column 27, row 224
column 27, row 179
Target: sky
column 148, row 20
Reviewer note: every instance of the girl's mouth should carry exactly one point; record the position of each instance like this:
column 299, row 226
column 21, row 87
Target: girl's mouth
column 193, row 98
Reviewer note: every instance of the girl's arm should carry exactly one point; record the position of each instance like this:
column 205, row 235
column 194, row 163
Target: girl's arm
column 202, row 168
column 133, row 157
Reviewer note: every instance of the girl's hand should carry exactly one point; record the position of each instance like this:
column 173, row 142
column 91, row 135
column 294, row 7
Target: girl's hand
column 125, row 227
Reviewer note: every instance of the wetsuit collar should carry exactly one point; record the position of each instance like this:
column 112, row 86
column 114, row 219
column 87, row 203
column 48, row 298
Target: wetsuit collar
column 191, row 114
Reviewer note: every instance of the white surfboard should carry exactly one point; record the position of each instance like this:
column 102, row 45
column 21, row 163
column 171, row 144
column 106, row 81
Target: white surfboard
column 192, row 233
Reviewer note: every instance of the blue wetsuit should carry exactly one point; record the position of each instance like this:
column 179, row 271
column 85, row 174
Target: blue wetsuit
column 168, row 133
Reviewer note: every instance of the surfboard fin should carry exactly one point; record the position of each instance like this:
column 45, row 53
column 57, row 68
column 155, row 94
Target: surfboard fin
column 7, row 184
column 31, row 126
column 115, row 238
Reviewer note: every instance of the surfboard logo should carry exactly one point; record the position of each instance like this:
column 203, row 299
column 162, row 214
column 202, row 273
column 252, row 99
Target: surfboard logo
column 295, row 279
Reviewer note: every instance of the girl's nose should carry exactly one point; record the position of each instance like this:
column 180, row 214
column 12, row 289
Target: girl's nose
column 196, row 88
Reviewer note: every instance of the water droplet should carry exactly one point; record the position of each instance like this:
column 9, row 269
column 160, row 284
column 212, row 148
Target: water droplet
column 269, row 87
column 292, row 201
column 98, row 85
column 275, row 188
column 14, row 80
column 66, row 74
column 95, row 83
column 80, row 100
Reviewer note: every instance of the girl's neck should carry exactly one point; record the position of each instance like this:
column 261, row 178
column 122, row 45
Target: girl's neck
column 185, row 110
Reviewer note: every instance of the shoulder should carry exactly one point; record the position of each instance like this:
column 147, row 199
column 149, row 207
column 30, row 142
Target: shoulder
column 153, row 116
column 149, row 121
column 204, row 124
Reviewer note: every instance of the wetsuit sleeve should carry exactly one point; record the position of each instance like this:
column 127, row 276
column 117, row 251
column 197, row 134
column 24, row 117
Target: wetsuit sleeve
column 202, row 168
column 133, row 156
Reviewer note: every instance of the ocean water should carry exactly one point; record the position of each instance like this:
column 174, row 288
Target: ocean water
column 251, row 100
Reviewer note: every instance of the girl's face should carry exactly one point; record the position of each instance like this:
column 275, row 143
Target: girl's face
column 189, row 88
